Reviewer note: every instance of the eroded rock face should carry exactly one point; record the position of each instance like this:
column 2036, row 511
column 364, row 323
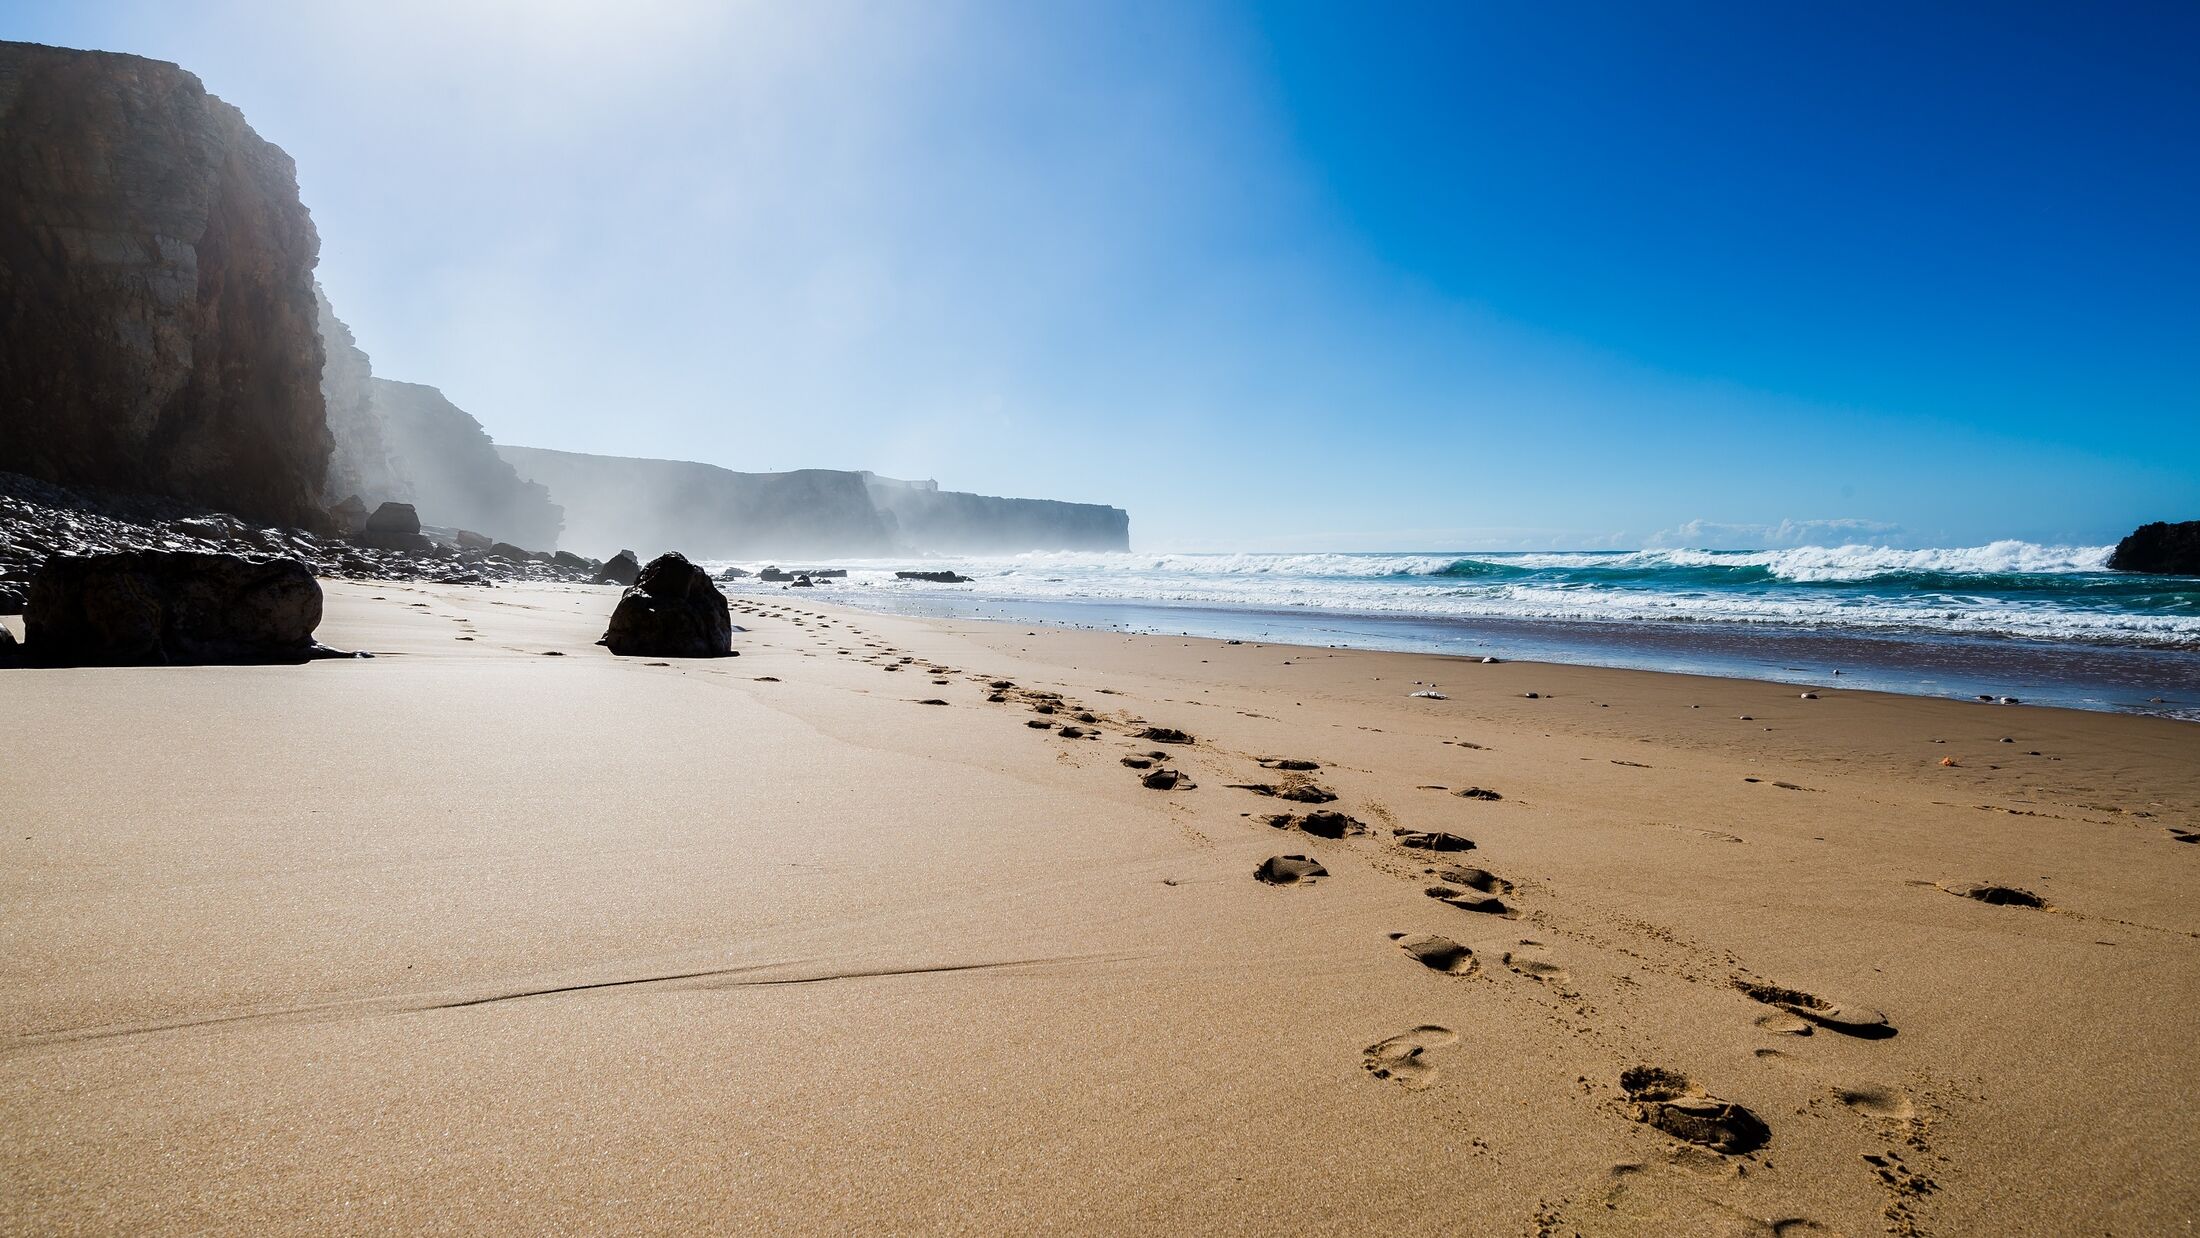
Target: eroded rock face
column 2161, row 548
column 672, row 611
column 157, row 321
column 171, row 606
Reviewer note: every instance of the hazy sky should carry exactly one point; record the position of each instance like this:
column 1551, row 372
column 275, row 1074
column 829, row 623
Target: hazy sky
column 1457, row 276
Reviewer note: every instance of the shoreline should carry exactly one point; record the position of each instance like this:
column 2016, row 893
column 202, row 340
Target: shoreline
column 2093, row 677
column 492, row 937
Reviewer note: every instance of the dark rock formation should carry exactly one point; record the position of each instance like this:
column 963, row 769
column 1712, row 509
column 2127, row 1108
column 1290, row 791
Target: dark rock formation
column 2161, row 548
column 39, row 519
column 937, row 578
column 622, row 568
column 672, row 611
column 349, row 516
column 722, row 514
column 567, row 559
column 395, row 526
column 734, row 573
column 159, row 607
column 394, row 518
column 157, row 323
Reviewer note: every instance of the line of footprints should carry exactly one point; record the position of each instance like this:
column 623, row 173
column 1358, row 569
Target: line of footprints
column 1662, row 1098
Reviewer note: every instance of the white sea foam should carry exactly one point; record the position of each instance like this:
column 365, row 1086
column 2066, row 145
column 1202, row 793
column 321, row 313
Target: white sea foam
column 2009, row 588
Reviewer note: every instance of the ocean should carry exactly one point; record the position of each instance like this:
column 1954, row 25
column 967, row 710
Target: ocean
column 2043, row 624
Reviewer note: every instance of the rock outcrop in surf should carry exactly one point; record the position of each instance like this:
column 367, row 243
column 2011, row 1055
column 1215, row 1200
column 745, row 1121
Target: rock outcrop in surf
column 2161, row 548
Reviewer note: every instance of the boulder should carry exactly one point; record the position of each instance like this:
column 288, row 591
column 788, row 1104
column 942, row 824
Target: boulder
column 774, row 575
column 2161, row 548
column 517, row 555
column 153, row 607
column 567, row 559
column 349, row 517
column 622, row 569
column 469, row 540
column 937, row 578
column 734, row 573
column 394, row 518
column 395, row 526
column 671, row 611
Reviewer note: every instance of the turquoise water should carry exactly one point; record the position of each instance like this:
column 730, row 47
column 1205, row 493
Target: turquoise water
column 2046, row 623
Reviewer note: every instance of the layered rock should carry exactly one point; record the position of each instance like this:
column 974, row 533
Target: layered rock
column 157, row 320
column 722, row 514
column 2161, row 548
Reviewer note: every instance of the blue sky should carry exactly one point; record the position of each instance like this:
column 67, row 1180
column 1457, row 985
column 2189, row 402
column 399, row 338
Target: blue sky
column 1295, row 276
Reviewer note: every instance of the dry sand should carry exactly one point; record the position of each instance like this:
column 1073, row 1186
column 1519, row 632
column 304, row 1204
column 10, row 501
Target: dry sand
column 470, row 938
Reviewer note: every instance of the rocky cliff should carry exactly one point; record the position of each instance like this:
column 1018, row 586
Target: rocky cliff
column 359, row 460
column 406, row 443
column 702, row 510
column 157, row 318
column 926, row 517
column 451, row 470
column 715, row 513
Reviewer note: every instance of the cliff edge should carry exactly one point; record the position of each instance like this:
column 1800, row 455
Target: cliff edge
column 157, row 319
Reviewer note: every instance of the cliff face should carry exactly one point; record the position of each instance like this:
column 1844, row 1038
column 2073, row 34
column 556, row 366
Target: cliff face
column 702, row 510
column 451, row 470
column 157, row 319
column 951, row 522
column 359, row 461
column 405, row 443
column 714, row 513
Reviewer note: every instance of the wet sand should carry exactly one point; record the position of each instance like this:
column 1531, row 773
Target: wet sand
column 472, row 937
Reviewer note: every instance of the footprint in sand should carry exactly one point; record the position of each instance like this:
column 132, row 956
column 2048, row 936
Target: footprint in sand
column 1888, row 1104
column 1473, row 878
column 1997, row 895
column 1436, row 953
column 1286, row 870
column 1319, row 823
column 1432, row 840
column 1848, row 1018
column 1404, row 1058
column 1533, row 960
column 1469, row 900
column 1671, row 1101
column 1297, row 790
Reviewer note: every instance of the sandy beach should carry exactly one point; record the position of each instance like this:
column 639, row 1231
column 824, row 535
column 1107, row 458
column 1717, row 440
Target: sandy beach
column 496, row 932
